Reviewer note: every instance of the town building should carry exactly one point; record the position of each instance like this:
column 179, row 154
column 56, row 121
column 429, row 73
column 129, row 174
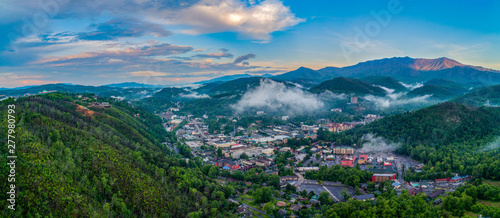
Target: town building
column 362, row 159
column 343, row 150
column 354, row 100
column 365, row 197
column 227, row 163
column 289, row 178
column 436, row 194
column 383, row 177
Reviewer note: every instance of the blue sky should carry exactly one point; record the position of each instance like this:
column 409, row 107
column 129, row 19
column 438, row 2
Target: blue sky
column 177, row 42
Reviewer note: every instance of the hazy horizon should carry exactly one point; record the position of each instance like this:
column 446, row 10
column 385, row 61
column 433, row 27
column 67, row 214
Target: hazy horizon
column 169, row 43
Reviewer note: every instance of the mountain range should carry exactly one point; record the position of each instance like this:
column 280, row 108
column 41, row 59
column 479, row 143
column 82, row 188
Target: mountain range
column 405, row 69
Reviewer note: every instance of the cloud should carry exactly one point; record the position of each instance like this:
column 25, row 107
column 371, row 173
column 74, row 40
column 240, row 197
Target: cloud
column 123, row 27
column 110, row 56
column 395, row 99
column 244, row 58
column 272, row 97
column 216, row 55
column 194, row 95
column 329, row 96
column 491, row 146
column 147, row 73
column 412, row 86
column 255, row 21
column 388, row 90
column 372, row 143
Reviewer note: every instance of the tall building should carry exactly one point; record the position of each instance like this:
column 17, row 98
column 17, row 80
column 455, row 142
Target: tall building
column 354, row 100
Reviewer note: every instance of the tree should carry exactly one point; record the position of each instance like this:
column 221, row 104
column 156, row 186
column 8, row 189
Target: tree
column 345, row 195
column 219, row 152
column 263, row 195
column 269, row 207
column 244, row 156
column 324, row 198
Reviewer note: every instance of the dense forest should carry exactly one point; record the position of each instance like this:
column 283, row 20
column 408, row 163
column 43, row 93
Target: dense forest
column 448, row 136
column 99, row 162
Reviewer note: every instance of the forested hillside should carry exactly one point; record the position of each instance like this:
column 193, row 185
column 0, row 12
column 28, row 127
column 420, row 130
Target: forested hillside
column 73, row 161
column 448, row 136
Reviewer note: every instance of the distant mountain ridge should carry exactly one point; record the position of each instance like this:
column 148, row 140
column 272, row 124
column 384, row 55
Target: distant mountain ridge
column 405, row 69
column 348, row 86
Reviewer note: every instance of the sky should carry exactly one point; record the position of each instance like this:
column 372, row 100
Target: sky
column 177, row 42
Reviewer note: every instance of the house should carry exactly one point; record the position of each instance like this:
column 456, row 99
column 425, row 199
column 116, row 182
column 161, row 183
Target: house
column 227, row 163
column 280, row 204
column 264, row 162
column 282, row 212
column 414, row 191
column 460, row 178
column 241, row 209
column 442, row 181
column 383, row 177
column 314, row 199
column 289, row 178
column 271, row 172
column 435, row 194
column 305, row 169
column 365, row 197
column 396, row 185
column 362, row 159
column 343, row 150
column 295, row 207
column 338, row 127
column 347, row 163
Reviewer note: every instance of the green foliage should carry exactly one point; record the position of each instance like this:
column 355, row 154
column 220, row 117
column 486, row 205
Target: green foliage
column 263, row 195
column 348, row 176
column 105, row 164
column 448, row 136
column 348, row 85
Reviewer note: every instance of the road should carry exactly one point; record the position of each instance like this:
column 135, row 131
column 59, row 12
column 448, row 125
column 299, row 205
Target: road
column 400, row 174
column 300, row 181
column 198, row 128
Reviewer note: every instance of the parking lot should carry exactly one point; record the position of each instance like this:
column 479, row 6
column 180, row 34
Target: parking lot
column 335, row 190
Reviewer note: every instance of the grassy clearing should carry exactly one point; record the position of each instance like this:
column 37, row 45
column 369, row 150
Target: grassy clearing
column 490, row 203
column 494, row 183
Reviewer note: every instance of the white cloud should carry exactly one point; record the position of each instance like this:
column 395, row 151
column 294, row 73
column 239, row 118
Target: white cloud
column 256, row 21
column 273, row 96
column 194, row 95
column 395, row 99
column 491, row 146
column 372, row 143
column 412, row 86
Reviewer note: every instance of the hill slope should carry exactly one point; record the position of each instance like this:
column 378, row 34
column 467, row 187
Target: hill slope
column 305, row 76
column 348, row 86
column 489, row 95
column 450, row 136
column 100, row 162
column 385, row 81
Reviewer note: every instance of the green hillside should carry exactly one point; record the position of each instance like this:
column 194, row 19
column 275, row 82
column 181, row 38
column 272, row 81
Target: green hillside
column 481, row 97
column 306, row 76
column 73, row 161
column 385, row 81
column 348, row 86
column 449, row 136
column 439, row 89
column 237, row 85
